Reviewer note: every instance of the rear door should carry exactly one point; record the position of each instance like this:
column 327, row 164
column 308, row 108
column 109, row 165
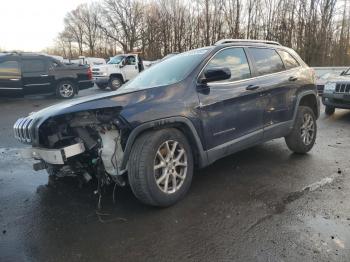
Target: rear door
column 130, row 68
column 231, row 109
column 278, row 86
column 35, row 75
column 10, row 77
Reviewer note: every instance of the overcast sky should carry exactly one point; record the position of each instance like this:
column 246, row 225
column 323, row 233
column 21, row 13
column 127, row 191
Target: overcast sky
column 32, row 25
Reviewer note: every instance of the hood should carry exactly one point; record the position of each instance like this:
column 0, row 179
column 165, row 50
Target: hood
column 101, row 67
column 119, row 98
column 336, row 79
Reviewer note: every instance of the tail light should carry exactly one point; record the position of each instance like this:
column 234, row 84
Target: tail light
column 89, row 73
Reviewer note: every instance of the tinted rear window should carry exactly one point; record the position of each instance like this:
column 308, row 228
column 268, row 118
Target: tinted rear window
column 33, row 65
column 288, row 60
column 9, row 68
column 267, row 60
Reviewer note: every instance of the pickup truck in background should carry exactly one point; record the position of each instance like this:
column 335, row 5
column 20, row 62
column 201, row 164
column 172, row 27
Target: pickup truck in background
column 83, row 60
column 30, row 73
column 117, row 71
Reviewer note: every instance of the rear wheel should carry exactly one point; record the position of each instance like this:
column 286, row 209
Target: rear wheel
column 65, row 89
column 115, row 83
column 303, row 135
column 160, row 167
column 329, row 110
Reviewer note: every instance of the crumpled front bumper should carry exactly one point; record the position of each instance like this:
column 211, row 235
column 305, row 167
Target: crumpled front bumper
column 53, row 156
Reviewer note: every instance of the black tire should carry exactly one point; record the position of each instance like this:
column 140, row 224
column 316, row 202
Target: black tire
column 329, row 110
column 294, row 140
column 65, row 89
column 115, row 83
column 102, row 86
column 141, row 174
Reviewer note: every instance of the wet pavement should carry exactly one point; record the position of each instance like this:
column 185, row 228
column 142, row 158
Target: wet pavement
column 262, row 204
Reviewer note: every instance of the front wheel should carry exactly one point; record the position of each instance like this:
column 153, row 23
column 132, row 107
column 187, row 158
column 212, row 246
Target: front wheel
column 65, row 89
column 160, row 167
column 303, row 135
column 115, row 83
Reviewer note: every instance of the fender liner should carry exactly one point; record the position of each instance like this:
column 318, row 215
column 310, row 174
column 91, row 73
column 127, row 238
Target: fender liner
column 202, row 155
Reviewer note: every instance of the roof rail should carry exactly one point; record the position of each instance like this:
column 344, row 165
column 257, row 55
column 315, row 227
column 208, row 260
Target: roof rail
column 228, row 41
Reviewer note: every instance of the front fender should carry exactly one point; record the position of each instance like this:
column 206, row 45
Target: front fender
column 165, row 122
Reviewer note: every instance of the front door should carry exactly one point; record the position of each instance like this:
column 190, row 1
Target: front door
column 130, row 68
column 233, row 108
column 10, row 78
column 35, row 76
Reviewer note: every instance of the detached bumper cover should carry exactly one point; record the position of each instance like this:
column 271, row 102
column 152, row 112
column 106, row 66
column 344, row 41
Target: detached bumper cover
column 54, row 156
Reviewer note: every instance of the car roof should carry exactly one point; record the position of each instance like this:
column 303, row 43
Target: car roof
column 24, row 54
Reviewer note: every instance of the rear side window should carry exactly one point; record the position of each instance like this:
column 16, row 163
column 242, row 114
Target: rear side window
column 33, row 65
column 234, row 59
column 9, row 68
column 288, row 60
column 267, row 60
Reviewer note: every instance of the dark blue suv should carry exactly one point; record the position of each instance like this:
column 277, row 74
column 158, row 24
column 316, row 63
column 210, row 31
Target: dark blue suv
column 185, row 112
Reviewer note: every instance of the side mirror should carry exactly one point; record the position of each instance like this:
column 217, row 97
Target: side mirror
column 215, row 74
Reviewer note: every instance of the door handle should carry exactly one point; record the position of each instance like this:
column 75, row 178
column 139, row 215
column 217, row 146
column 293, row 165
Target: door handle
column 44, row 75
column 292, row 78
column 252, row 87
column 14, row 79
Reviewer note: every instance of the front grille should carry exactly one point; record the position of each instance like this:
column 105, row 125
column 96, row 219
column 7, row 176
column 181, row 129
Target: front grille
column 320, row 89
column 22, row 129
column 342, row 88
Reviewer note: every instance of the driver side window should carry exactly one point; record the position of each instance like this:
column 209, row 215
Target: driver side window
column 130, row 60
column 234, row 59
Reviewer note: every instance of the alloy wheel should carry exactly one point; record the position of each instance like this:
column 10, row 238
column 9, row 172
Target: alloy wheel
column 307, row 129
column 66, row 90
column 170, row 166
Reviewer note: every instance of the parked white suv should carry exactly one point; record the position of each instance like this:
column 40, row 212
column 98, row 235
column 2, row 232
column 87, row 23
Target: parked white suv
column 117, row 71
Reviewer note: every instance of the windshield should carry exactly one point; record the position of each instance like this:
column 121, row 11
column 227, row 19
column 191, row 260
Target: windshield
column 116, row 60
column 169, row 71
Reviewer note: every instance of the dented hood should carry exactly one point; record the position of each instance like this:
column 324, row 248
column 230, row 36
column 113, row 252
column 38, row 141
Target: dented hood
column 113, row 99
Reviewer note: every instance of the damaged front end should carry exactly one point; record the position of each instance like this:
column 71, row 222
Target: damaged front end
column 88, row 144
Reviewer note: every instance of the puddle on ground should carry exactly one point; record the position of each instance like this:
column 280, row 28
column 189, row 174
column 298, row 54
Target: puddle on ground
column 333, row 234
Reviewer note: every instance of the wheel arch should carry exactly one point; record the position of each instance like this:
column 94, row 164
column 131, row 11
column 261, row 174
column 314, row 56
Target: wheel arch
column 310, row 99
column 181, row 123
column 118, row 75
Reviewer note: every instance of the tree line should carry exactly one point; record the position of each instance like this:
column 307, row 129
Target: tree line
column 319, row 30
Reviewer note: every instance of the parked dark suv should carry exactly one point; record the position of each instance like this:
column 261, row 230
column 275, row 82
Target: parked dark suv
column 185, row 112
column 337, row 93
column 29, row 73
